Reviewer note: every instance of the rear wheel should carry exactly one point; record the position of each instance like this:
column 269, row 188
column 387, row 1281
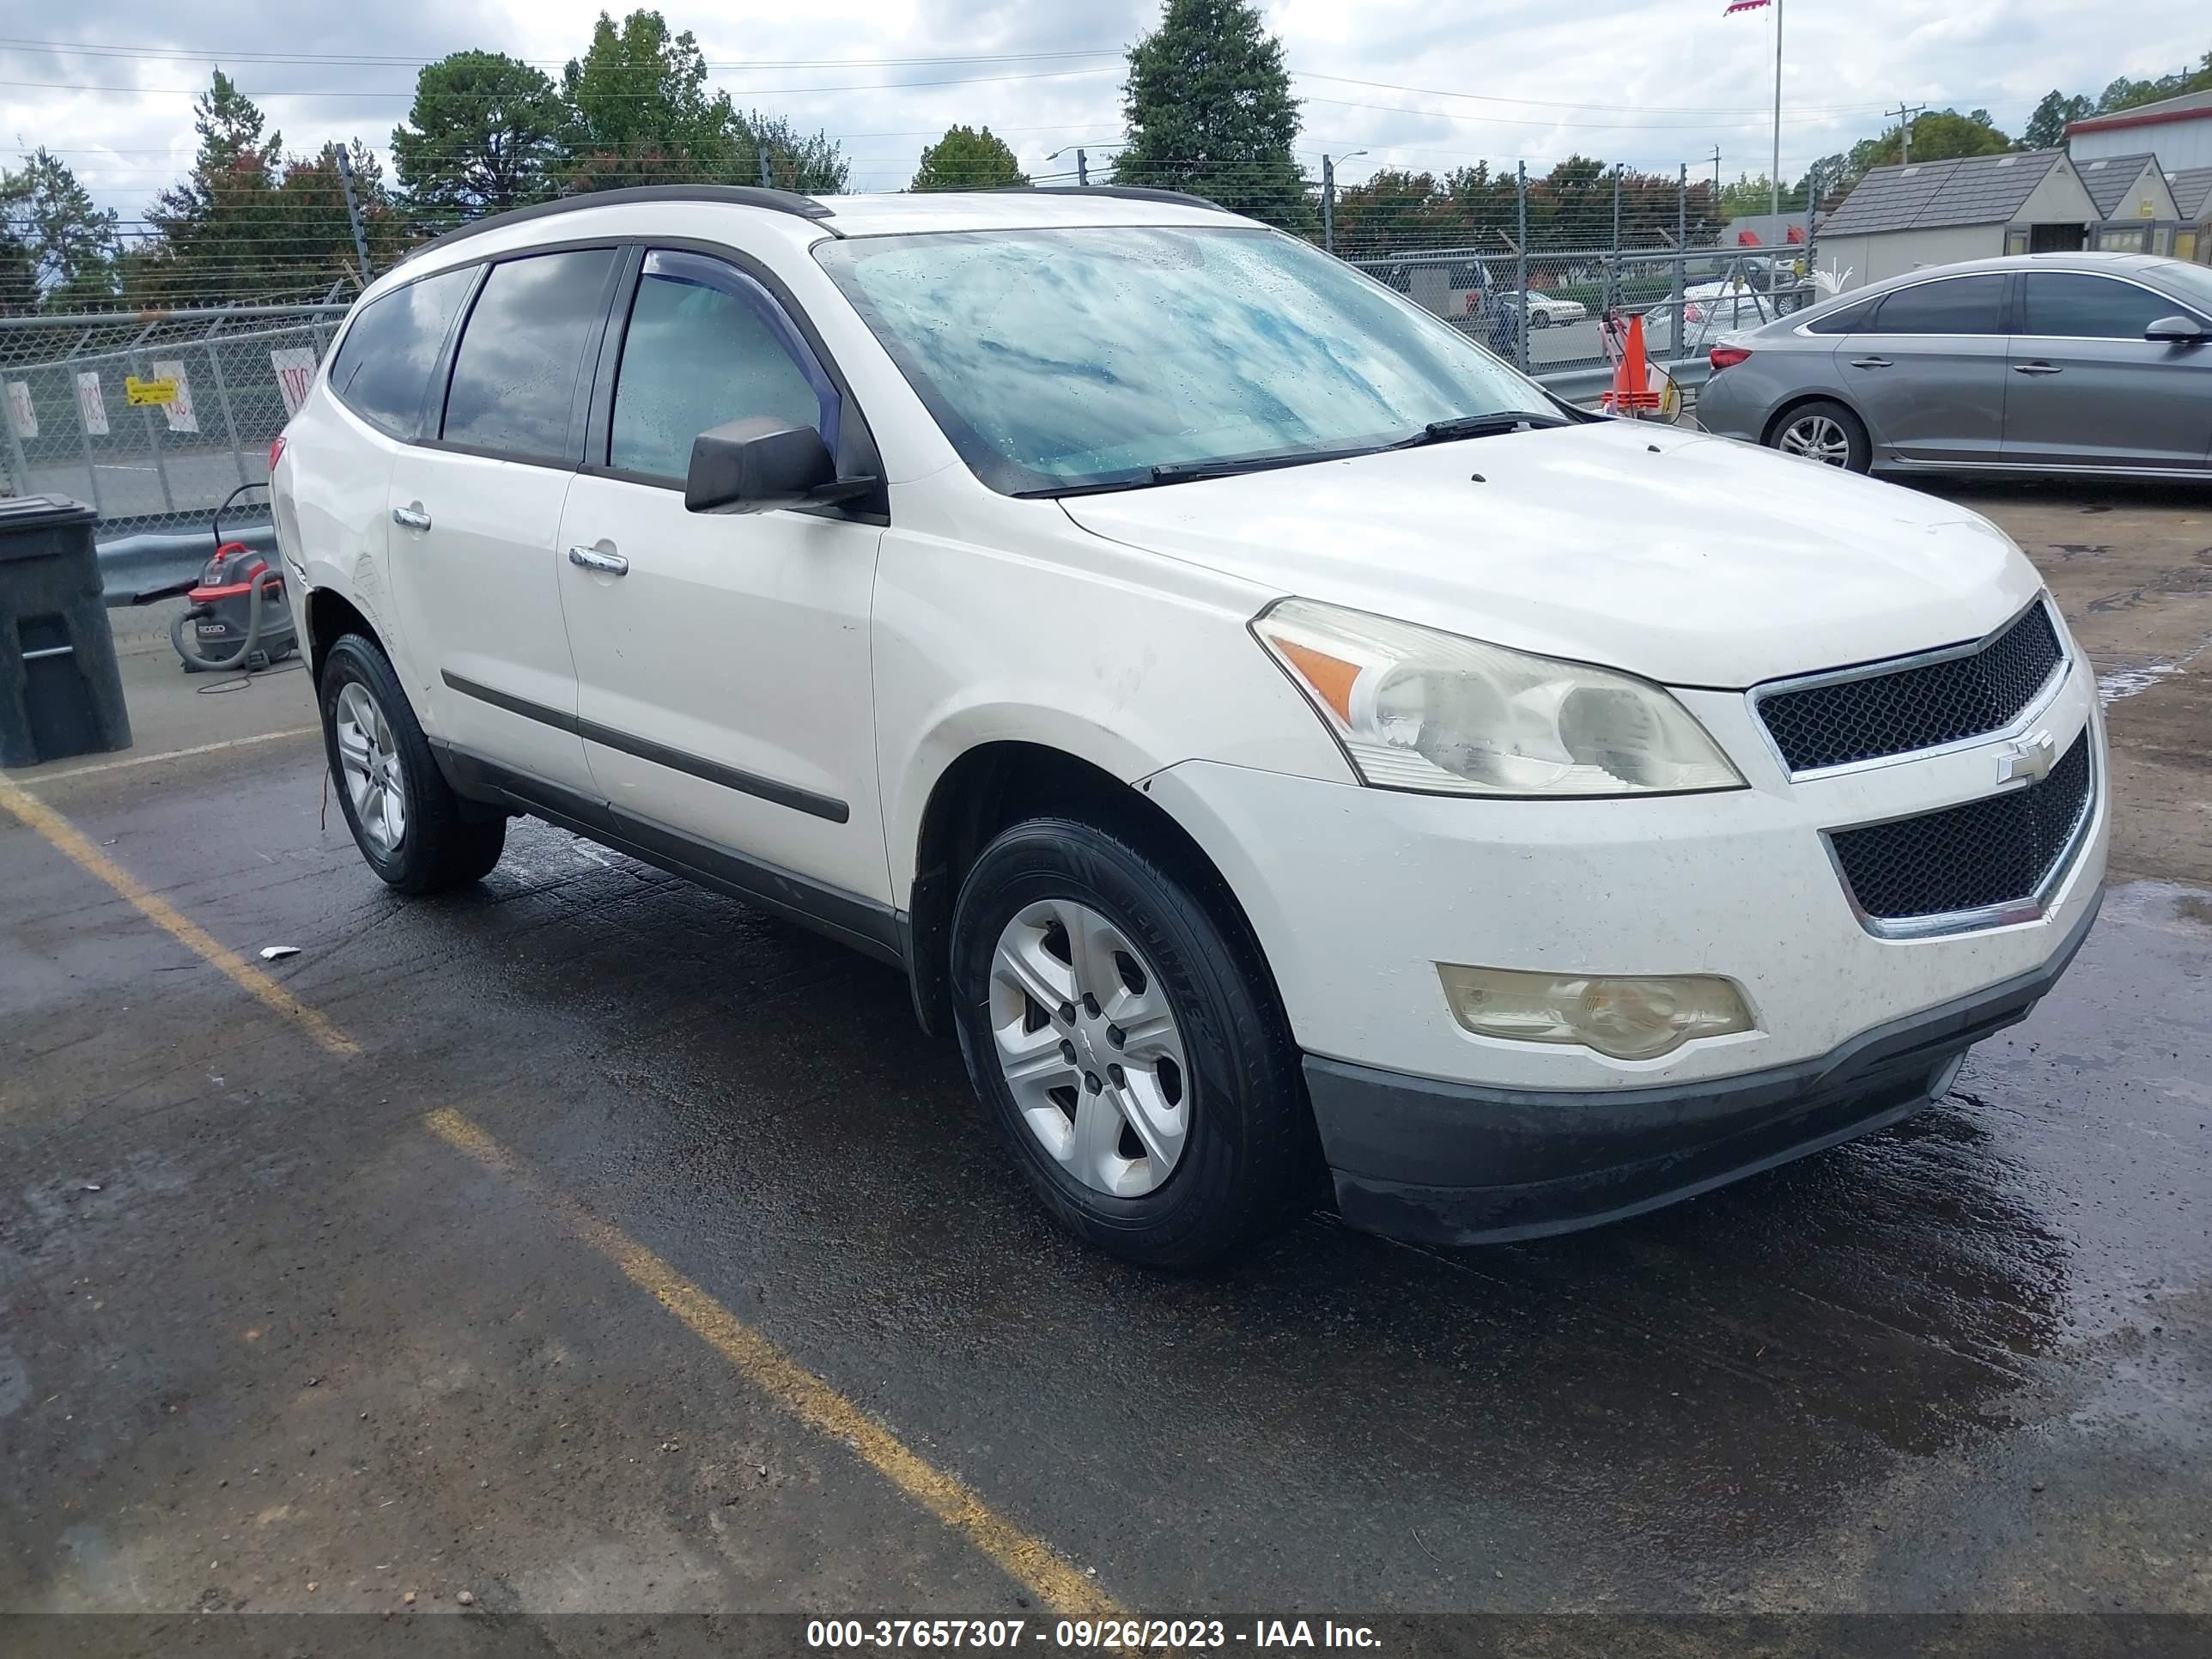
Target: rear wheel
column 1825, row 431
column 414, row 830
column 1127, row 1047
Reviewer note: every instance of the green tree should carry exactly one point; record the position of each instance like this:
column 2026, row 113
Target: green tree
column 482, row 135
column 1208, row 109
column 220, row 233
column 2046, row 128
column 967, row 159
column 319, row 246
column 1938, row 135
column 814, row 164
column 58, row 251
column 639, row 111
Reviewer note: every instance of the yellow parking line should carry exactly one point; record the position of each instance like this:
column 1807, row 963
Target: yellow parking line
column 68, row 839
column 1029, row 1561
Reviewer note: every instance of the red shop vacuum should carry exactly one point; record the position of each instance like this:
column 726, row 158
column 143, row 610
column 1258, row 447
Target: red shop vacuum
column 237, row 617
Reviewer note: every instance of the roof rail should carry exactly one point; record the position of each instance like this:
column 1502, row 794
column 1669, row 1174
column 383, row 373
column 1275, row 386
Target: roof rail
column 775, row 201
column 1129, row 192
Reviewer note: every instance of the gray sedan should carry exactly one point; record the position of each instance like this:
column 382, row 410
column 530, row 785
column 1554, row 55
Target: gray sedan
column 2068, row 362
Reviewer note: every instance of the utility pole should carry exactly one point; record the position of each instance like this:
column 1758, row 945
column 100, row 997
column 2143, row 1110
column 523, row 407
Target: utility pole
column 353, row 211
column 1904, row 112
column 1774, row 176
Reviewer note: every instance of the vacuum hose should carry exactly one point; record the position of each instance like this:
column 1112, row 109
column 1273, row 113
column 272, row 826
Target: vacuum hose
column 188, row 646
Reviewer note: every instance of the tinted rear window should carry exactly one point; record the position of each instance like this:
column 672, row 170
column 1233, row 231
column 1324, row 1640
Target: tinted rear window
column 1843, row 320
column 521, row 350
column 383, row 368
column 1958, row 305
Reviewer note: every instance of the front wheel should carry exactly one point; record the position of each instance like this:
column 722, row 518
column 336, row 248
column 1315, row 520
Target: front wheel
column 1825, row 432
column 411, row 827
column 1128, row 1045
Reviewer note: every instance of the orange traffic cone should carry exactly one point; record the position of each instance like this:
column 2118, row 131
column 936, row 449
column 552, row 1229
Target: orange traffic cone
column 1631, row 394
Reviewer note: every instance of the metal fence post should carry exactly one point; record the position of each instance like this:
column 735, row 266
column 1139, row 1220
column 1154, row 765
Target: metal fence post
column 353, row 211
column 1681, row 266
column 222, row 397
column 1328, row 205
column 1082, row 171
column 1520, row 269
column 153, row 432
column 760, row 151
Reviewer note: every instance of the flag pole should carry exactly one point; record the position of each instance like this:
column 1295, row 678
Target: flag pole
column 1774, row 178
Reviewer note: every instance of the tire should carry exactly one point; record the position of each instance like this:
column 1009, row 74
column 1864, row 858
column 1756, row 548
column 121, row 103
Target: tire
column 1246, row 1152
column 432, row 843
column 1823, row 431
column 1540, row 320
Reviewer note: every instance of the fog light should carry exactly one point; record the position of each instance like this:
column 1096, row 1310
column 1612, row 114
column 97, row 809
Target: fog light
column 1626, row 1019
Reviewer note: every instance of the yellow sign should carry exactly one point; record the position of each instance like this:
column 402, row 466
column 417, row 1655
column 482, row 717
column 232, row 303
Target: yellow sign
column 137, row 391
column 2146, row 208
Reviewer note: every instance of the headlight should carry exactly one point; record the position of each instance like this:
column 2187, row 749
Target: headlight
column 1419, row 708
column 1640, row 1018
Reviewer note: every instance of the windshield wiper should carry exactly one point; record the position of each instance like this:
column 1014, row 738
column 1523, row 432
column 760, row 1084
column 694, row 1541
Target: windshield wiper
column 1184, row 471
column 1480, row 425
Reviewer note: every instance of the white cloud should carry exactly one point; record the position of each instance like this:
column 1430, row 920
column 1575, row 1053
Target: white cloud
column 1652, row 84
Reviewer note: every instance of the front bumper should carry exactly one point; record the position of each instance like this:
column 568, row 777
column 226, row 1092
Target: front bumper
column 1459, row 1164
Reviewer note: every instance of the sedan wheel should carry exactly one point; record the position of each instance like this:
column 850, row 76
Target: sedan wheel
column 1089, row 1047
column 1816, row 438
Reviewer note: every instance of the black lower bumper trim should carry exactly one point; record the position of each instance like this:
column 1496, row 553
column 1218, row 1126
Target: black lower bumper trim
column 1460, row 1163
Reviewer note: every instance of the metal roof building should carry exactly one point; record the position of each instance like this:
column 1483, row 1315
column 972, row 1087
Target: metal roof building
column 2127, row 187
column 1935, row 213
column 2178, row 129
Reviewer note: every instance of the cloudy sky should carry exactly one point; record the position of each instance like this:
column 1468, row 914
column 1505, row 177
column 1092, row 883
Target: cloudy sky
column 1428, row 84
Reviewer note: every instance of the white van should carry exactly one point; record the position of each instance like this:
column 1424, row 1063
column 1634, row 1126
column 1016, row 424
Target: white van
column 1279, row 740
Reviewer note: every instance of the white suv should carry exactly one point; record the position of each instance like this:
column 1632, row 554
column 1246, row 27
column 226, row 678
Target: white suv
column 1275, row 737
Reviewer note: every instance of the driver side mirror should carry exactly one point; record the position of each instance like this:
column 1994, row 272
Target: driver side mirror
column 2178, row 330
column 761, row 463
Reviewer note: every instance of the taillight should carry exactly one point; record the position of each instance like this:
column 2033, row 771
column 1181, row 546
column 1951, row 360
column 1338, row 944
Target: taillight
column 1729, row 356
column 275, row 451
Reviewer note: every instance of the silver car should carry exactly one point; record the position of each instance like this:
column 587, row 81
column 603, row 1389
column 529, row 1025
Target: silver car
column 2046, row 362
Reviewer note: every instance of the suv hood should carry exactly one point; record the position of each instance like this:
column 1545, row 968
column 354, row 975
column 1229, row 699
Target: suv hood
column 1689, row 560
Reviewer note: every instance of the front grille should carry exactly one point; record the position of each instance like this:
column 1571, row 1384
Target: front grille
column 1919, row 707
column 1989, row 852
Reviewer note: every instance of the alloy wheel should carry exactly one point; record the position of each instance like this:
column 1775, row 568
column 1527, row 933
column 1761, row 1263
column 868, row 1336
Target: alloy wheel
column 1816, row 438
column 375, row 781
column 1090, row 1047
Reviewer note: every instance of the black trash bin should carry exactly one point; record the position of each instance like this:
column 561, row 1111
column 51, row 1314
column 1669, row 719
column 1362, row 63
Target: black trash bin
column 60, row 691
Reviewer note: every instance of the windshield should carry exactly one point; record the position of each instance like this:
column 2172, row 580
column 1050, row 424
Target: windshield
column 1058, row 359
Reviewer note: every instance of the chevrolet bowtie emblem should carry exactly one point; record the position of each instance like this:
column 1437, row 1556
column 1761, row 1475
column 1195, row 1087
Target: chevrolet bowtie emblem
column 2031, row 757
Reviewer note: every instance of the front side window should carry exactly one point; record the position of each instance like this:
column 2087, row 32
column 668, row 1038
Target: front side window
column 1073, row 359
column 383, row 368
column 522, row 348
column 707, row 344
column 1958, row 305
column 2068, row 305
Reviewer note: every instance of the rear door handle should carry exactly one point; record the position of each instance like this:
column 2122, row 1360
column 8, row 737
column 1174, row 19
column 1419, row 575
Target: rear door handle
column 412, row 518
column 605, row 561
column 1872, row 362
column 2036, row 368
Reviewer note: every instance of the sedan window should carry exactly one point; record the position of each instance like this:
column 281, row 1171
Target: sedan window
column 1958, row 305
column 2074, row 305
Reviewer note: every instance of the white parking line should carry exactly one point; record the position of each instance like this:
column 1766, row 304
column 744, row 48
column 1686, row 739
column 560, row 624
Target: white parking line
column 166, row 755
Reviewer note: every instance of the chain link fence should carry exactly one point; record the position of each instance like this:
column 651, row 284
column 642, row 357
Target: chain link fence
column 1543, row 309
column 154, row 419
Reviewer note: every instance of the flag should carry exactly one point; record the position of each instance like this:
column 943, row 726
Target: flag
column 1735, row 6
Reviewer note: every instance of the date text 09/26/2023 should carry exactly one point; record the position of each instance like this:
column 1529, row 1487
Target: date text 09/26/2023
column 1119, row 1634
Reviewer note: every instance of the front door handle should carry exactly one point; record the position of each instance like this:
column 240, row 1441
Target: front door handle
column 411, row 518
column 1872, row 362
column 2036, row 368
column 605, row 561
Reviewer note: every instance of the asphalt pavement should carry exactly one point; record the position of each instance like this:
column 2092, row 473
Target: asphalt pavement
column 589, row 1244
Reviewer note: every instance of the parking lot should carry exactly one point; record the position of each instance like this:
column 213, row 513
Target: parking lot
column 592, row 1244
